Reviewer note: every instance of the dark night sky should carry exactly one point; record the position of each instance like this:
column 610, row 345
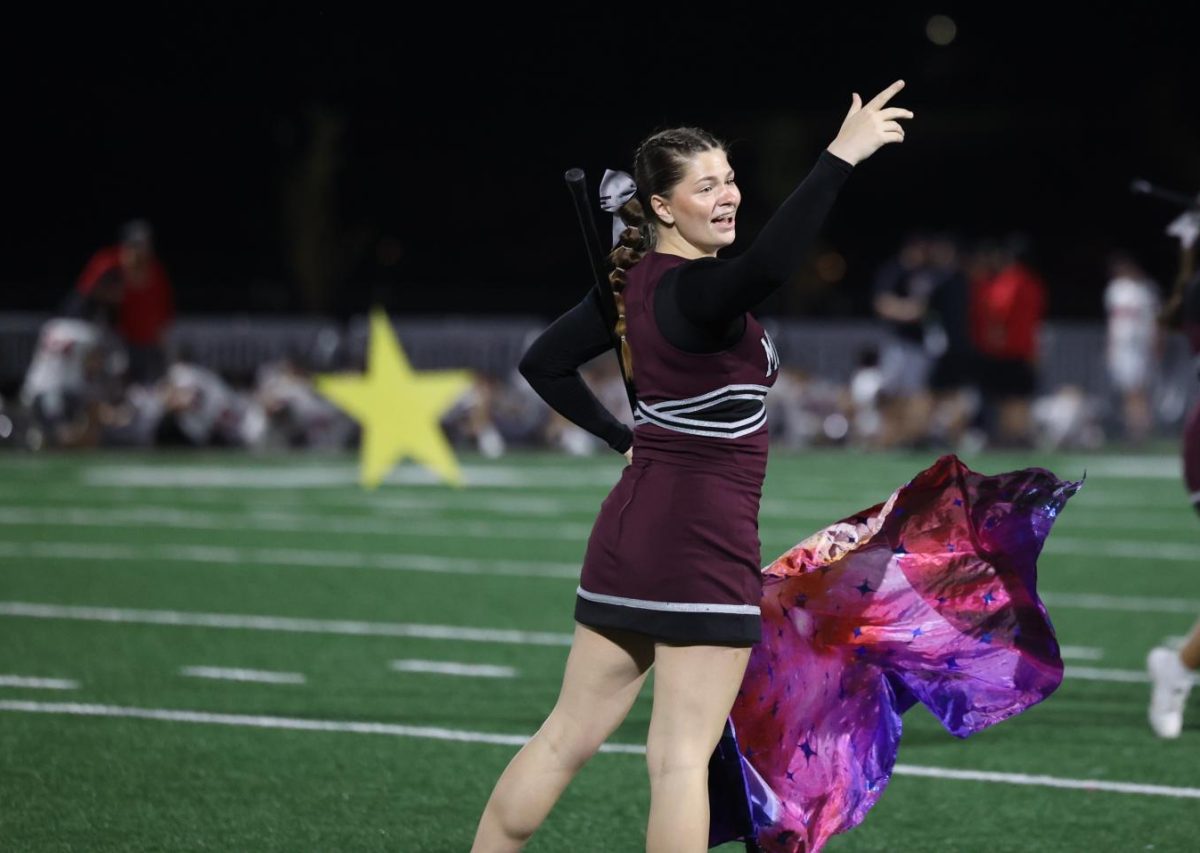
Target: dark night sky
column 446, row 190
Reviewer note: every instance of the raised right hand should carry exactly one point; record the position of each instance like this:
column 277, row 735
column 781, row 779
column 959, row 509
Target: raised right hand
column 869, row 127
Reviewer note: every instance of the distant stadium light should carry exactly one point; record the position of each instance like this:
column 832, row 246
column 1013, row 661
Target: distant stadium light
column 941, row 30
column 831, row 267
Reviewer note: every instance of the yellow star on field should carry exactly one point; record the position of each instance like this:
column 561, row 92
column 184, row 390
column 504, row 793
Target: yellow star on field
column 398, row 409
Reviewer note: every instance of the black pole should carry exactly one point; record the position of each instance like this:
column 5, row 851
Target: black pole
column 1182, row 199
column 598, row 260
column 577, row 184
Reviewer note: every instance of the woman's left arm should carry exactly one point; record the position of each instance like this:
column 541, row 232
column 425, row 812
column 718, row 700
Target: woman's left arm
column 551, row 366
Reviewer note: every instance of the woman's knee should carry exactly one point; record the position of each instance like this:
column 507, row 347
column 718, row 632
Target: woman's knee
column 570, row 742
column 667, row 756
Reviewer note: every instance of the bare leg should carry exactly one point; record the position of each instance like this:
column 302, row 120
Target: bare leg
column 694, row 688
column 918, row 410
column 1138, row 419
column 1014, row 421
column 603, row 676
column 1190, row 653
column 952, row 415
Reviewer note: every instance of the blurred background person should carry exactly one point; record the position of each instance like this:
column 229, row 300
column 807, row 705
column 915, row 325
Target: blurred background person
column 603, row 378
column 903, row 286
column 296, row 415
column 1008, row 306
column 804, row 410
column 1173, row 671
column 954, row 381
column 67, row 377
column 864, row 393
column 471, row 420
column 126, row 287
column 1133, row 344
column 199, row 409
column 1068, row 418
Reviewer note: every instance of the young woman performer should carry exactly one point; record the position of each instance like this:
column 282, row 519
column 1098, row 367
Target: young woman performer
column 671, row 574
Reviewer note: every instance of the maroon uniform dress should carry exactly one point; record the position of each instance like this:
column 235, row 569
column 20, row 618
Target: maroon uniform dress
column 675, row 550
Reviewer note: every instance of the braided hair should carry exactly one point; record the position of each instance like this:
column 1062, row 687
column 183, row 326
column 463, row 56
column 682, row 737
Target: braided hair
column 659, row 164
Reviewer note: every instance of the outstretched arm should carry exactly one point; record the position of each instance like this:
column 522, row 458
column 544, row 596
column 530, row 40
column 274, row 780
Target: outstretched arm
column 711, row 293
column 551, row 366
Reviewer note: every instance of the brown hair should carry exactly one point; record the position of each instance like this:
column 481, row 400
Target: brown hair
column 658, row 165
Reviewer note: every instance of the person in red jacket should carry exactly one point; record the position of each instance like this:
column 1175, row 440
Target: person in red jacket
column 126, row 287
column 1008, row 304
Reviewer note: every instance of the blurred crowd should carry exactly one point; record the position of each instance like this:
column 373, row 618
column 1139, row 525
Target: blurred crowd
column 954, row 366
column 102, row 373
column 958, row 362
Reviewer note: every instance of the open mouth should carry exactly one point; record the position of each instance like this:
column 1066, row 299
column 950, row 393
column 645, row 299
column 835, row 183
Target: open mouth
column 724, row 221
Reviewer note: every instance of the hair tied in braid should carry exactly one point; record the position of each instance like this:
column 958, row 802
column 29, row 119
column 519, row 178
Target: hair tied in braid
column 618, row 196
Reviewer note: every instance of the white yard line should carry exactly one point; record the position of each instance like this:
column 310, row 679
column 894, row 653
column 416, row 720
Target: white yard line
column 1134, row 467
column 38, row 683
column 260, row 519
column 1130, row 603
column 232, row 621
column 227, row 674
column 282, row 623
column 374, row 502
column 1125, row 549
column 1164, row 498
column 461, row 736
column 92, row 552
column 329, row 558
column 392, row 528
column 321, row 477
column 441, row 667
column 415, row 519
column 1048, row 781
column 808, row 508
column 449, row 632
column 1181, row 524
column 1088, row 673
column 1127, row 676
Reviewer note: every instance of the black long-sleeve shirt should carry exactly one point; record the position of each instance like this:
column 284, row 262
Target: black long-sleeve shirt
column 699, row 306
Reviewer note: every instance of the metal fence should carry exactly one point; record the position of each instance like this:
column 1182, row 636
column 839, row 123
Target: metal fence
column 1071, row 353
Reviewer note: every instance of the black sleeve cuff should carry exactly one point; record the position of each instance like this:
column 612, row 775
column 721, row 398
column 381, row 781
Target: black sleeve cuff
column 830, row 159
column 622, row 441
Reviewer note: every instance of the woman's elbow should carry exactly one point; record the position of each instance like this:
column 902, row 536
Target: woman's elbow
column 529, row 367
column 538, row 372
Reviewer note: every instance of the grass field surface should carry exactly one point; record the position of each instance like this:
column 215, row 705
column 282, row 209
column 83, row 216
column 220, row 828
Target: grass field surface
column 222, row 652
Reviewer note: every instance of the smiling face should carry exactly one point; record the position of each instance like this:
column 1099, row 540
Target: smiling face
column 700, row 210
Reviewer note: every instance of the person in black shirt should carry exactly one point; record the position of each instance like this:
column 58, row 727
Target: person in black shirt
column 701, row 366
column 954, row 380
column 903, row 286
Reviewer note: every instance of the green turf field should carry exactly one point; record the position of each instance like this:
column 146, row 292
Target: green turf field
column 120, row 575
